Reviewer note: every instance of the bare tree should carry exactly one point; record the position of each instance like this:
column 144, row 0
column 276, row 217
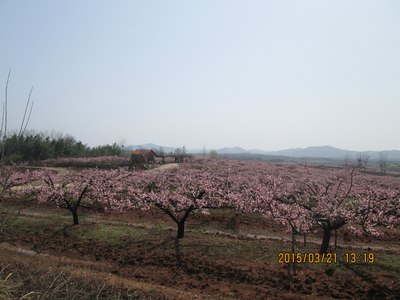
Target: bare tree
column 4, row 121
column 383, row 162
column 180, row 154
column 362, row 160
column 6, row 172
column 365, row 159
column 347, row 160
column 204, row 152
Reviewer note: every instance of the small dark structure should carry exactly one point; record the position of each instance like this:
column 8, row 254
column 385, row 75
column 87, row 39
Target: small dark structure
column 181, row 158
column 141, row 158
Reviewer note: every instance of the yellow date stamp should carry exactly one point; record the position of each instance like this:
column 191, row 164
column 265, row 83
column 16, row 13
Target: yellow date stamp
column 326, row 258
column 307, row 257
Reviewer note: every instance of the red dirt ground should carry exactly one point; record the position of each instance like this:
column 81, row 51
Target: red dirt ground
column 169, row 273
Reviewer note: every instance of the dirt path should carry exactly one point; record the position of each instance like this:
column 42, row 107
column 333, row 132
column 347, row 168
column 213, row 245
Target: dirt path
column 166, row 167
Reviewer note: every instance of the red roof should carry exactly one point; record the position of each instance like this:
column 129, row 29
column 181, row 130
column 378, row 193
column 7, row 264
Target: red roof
column 143, row 151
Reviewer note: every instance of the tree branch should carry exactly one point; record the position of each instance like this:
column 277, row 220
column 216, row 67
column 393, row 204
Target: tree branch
column 81, row 196
column 23, row 119
column 167, row 211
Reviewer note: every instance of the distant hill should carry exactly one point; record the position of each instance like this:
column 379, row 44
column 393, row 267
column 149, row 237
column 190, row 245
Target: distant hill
column 335, row 153
column 316, row 151
column 328, row 152
column 232, row 150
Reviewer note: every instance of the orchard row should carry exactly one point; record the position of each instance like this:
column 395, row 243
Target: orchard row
column 299, row 197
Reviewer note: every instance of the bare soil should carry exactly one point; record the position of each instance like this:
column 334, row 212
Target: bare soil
column 157, row 267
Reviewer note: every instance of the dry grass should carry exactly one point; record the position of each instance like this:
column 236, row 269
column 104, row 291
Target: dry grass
column 7, row 286
column 46, row 277
column 33, row 277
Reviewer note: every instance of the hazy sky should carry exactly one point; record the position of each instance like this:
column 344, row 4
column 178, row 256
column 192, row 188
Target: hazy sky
column 256, row 74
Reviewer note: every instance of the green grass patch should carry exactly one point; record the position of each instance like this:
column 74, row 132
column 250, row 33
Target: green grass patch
column 35, row 224
column 387, row 262
column 234, row 249
column 110, row 233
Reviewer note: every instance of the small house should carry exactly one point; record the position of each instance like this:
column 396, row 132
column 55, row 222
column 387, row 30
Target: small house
column 142, row 157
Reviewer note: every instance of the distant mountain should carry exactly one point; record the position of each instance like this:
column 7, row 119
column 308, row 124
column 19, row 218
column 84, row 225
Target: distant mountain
column 232, row 150
column 335, row 153
column 316, row 151
column 258, row 151
column 309, row 152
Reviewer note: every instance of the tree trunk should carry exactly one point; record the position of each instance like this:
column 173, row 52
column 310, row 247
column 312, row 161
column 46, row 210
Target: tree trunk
column 181, row 229
column 178, row 253
column 326, row 239
column 293, row 249
column 293, row 239
column 335, row 239
column 75, row 217
column 181, row 222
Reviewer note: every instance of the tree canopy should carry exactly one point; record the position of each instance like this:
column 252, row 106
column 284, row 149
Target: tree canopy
column 38, row 146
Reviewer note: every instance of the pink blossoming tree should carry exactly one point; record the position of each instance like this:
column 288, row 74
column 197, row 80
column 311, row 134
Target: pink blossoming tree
column 178, row 192
column 70, row 189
